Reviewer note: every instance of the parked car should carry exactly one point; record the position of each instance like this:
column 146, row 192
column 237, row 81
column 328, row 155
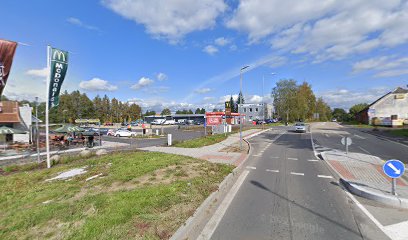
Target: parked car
column 334, row 120
column 300, row 127
column 110, row 132
column 124, row 133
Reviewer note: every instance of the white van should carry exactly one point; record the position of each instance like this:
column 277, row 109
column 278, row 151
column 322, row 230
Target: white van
column 158, row 121
column 169, row 122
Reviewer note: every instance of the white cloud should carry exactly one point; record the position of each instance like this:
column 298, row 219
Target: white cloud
column 142, row 83
column 210, row 49
column 221, row 41
column 97, row 84
column 79, row 23
column 38, row 72
column 161, row 76
column 332, row 29
column 203, row 90
column 385, row 66
column 170, row 19
column 392, row 73
column 209, row 99
column 343, row 98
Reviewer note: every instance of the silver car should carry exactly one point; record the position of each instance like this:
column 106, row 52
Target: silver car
column 300, row 127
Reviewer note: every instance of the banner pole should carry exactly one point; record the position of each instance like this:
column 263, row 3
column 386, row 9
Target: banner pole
column 47, row 140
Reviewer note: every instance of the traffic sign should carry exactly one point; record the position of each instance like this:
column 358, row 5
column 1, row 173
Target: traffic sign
column 393, row 168
column 347, row 140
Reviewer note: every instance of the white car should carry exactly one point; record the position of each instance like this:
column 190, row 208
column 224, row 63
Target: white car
column 124, row 133
column 158, row 121
column 300, row 127
column 169, row 122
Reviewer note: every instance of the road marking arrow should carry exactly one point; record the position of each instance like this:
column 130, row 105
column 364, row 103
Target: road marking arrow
column 397, row 171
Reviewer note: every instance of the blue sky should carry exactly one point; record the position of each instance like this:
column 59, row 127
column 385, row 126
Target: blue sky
column 187, row 54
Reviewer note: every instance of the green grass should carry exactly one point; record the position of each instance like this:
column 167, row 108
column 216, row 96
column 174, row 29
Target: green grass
column 357, row 124
column 202, row 141
column 400, row 132
column 127, row 202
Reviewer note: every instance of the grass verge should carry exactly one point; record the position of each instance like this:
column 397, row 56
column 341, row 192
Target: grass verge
column 139, row 195
column 399, row 132
column 202, row 141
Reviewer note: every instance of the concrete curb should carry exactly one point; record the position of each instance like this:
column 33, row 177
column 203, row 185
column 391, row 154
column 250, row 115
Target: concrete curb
column 390, row 200
column 192, row 226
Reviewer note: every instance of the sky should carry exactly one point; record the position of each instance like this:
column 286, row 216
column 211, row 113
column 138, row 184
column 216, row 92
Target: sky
column 187, row 54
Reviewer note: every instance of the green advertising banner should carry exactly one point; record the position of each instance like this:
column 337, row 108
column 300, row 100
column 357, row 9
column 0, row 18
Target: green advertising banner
column 58, row 65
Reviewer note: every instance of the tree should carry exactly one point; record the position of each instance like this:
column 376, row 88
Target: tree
column 357, row 108
column 240, row 97
column 197, row 111
column 340, row 114
column 216, row 110
column 202, row 111
column 150, row 113
column 284, row 99
column 190, row 111
column 306, row 102
column 232, row 104
column 323, row 109
column 166, row 111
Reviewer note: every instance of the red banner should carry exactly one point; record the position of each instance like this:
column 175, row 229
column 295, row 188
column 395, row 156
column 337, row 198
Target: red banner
column 7, row 50
column 214, row 120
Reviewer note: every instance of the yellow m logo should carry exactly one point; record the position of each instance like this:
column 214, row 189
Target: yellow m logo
column 58, row 55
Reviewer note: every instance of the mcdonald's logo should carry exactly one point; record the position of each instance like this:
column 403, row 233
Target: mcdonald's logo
column 59, row 55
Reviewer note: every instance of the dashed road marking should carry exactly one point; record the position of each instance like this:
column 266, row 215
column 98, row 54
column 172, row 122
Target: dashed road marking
column 274, row 157
column 364, row 150
column 358, row 136
column 257, row 155
column 296, row 173
column 312, row 160
column 324, row 176
column 271, row 170
column 250, row 167
column 293, row 159
column 327, row 135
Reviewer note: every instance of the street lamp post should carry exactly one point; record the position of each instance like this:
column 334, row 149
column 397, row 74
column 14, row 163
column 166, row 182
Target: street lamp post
column 37, row 130
column 263, row 102
column 240, row 107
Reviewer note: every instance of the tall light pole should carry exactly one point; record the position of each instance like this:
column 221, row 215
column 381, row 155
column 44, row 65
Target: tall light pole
column 263, row 95
column 240, row 107
column 37, row 130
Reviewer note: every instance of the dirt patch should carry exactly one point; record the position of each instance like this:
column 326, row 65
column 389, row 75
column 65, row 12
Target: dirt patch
column 236, row 148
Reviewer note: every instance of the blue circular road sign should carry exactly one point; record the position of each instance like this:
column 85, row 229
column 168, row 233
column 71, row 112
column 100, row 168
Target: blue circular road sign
column 393, row 168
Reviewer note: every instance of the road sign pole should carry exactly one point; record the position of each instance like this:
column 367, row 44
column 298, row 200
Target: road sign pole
column 394, row 186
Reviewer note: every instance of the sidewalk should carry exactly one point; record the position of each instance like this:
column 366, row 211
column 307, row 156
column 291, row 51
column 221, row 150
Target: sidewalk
column 213, row 152
column 363, row 175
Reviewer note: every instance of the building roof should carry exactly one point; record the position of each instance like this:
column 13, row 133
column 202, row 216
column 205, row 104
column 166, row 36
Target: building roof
column 400, row 90
column 9, row 112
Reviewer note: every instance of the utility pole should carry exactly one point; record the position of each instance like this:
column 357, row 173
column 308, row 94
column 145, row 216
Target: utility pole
column 240, row 108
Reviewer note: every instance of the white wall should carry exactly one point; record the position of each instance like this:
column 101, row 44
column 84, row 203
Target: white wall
column 25, row 125
column 391, row 106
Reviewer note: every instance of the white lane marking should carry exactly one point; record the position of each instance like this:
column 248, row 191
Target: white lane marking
column 274, row 157
column 296, row 173
column 257, row 155
column 364, row 150
column 327, row 135
column 271, row 170
column 324, row 176
column 293, row 159
column 312, row 160
column 250, row 167
column 369, row 215
column 398, row 231
column 219, row 213
column 358, row 136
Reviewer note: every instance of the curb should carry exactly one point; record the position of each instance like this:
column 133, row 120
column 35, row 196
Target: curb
column 192, row 224
column 390, row 200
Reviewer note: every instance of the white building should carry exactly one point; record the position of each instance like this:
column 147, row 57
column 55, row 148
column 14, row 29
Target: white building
column 389, row 110
column 13, row 116
column 256, row 111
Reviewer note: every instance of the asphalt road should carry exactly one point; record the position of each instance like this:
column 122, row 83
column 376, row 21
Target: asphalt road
column 329, row 135
column 177, row 135
column 289, row 194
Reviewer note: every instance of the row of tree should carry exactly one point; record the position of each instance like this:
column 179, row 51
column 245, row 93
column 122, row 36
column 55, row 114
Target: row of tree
column 294, row 102
column 341, row 115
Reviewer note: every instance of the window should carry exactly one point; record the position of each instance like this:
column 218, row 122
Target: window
column 256, row 109
column 244, row 109
column 250, row 109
